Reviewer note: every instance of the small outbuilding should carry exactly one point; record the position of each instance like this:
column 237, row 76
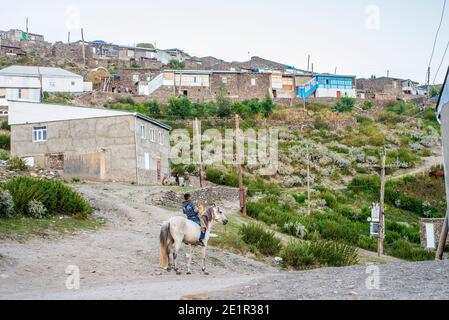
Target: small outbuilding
column 89, row 143
column 27, row 83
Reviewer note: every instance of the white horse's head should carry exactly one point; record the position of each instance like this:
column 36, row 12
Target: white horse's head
column 217, row 214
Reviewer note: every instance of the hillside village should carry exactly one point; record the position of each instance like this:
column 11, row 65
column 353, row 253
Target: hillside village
column 99, row 115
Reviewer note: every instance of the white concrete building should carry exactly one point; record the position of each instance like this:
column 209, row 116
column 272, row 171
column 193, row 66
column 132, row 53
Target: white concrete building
column 27, row 83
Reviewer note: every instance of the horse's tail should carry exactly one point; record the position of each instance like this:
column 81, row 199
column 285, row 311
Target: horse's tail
column 164, row 237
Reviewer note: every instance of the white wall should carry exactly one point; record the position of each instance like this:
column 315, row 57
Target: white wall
column 19, row 82
column 63, row 84
column 30, row 95
column 332, row 93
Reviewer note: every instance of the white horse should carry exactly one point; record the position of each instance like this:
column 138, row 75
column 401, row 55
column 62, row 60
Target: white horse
column 180, row 230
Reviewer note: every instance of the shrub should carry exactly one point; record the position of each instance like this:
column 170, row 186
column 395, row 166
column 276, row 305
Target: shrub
column 5, row 142
column 344, row 104
column 365, row 184
column 4, row 155
column 265, row 241
column 17, row 164
column 405, row 250
column 6, row 126
column 179, row 107
column 6, row 204
column 153, row 107
column 305, row 254
column 57, row 197
column 367, row 105
column 37, row 209
column 367, row 243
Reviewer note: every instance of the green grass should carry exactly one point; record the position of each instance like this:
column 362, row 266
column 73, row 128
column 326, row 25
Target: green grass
column 22, row 228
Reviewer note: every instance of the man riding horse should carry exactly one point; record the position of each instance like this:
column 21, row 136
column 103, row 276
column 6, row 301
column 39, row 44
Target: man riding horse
column 193, row 214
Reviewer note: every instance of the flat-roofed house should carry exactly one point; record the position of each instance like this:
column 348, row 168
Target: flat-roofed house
column 27, row 83
column 90, row 143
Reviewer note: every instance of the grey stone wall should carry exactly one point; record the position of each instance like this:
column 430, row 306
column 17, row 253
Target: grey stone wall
column 156, row 151
column 100, row 148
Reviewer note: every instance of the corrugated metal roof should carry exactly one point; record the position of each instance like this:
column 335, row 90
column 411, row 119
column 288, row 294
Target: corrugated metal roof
column 32, row 71
column 28, row 113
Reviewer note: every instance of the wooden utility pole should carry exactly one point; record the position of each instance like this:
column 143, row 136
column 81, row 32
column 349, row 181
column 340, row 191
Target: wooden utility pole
column 239, row 160
column 443, row 238
column 308, row 181
column 380, row 241
column 428, row 85
column 27, row 28
column 200, row 158
column 308, row 62
column 68, row 38
column 84, row 49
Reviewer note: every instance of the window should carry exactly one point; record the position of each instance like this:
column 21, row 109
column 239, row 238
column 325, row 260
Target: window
column 224, row 80
column 253, row 81
column 142, row 132
column 136, row 78
column 153, row 135
column 20, row 94
column 40, row 134
column 161, row 138
column 53, row 84
column 147, row 161
column 194, row 79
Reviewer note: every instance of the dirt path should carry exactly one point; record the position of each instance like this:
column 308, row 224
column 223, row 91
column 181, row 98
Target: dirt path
column 121, row 260
column 396, row 281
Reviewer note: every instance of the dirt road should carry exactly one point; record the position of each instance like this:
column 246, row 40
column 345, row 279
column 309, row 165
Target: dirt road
column 121, row 260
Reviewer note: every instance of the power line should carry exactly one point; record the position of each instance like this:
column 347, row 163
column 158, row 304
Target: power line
column 436, row 35
column 441, row 63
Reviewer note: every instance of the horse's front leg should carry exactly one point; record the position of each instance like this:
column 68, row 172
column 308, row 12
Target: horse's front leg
column 192, row 248
column 203, row 253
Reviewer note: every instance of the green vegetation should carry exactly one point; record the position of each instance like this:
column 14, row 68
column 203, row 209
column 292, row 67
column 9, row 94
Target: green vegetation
column 264, row 241
column 367, row 105
column 184, row 108
column 5, row 126
column 5, row 142
column 55, row 198
column 22, row 228
column 344, row 104
column 17, row 164
column 315, row 254
column 57, row 98
column 175, row 64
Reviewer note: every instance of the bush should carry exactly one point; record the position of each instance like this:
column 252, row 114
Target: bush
column 17, row 164
column 405, row 250
column 179, row 107
column 5, row 142
column 367, row 243
column 305, row 254
column 37, row 209
column 265, row 241
column 221, row 178
column 4, row 155
column 57, row 197
column 344, row 104
column 153, row 108
column 367, row 105
column 6, row 204
column 6, row 126
column 365, row 184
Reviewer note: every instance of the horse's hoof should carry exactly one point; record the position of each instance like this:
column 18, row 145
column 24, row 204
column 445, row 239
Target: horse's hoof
column 189, row 273
column 178, row 273
column 206, row 273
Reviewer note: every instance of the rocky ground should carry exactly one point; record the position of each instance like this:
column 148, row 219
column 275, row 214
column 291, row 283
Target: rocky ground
column 397, row 281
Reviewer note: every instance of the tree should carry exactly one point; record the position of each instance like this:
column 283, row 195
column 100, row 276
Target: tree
column 153, row 108
column 223, row 103
column 435, row 91
column 267, row 106
column 344, row 104
column 175, row 64
column 179, row 107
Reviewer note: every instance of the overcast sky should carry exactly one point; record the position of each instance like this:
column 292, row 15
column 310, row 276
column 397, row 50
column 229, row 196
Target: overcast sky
column 358, row 37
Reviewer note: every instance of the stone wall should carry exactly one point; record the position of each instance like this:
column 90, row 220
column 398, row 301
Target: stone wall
column 84, row 143
column 207, row 196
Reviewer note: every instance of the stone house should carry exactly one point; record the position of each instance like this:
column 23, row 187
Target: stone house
column 17, row 35
column 205, row 85
column 387, row 87
column 90, row 143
